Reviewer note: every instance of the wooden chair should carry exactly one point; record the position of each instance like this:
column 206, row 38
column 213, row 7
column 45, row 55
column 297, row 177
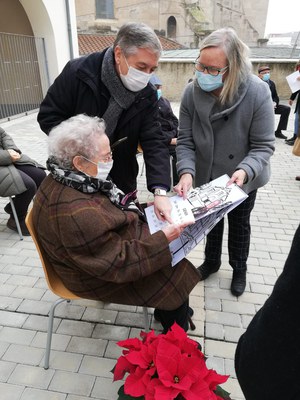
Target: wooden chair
column 56, row 285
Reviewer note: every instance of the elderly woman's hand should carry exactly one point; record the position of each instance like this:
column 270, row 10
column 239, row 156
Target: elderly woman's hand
column 163, row 208
column 173, row 231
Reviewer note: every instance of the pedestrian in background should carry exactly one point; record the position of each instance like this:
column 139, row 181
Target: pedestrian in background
column 226, row 126
column 293, row 97
column 280, row 109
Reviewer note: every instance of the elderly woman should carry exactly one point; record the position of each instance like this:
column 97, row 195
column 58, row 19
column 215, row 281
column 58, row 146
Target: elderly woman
column 20, row 176
column 96, row 237
column 226, row 126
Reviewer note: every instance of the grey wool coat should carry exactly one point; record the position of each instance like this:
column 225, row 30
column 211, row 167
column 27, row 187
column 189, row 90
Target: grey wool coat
column 11, row 182
column 104, row 253
column 215, row 140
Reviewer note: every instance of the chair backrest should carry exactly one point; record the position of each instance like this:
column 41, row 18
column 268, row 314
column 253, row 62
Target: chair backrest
column 54, row 282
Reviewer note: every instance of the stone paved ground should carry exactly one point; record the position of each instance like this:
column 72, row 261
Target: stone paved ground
column 84, row 343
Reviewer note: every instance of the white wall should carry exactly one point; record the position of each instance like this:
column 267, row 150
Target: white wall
column 48, row 19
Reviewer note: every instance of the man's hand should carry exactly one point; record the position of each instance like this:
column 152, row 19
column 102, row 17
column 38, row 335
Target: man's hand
column 239, row 177
column 173, row 231
column 14, row 155
column 162, row 208
column 184, row 185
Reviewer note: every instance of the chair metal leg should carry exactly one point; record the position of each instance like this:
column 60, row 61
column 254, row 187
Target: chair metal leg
column 16, row 218
column 146, row 319
column 50, row 329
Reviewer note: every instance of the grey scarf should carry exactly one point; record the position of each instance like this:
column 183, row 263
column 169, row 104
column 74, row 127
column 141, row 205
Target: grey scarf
column 121, row 98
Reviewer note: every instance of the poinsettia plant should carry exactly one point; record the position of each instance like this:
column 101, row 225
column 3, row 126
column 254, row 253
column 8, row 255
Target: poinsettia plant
column 166, row 366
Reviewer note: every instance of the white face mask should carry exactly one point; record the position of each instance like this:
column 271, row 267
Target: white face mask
column 103, row 169
column 135, row 80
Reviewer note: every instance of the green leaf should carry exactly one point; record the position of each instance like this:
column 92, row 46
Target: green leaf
column 123, row 396
column 222, row 393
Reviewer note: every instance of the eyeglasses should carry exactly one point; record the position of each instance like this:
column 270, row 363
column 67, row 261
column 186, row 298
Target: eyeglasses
column 108, row 158
column 210, row 70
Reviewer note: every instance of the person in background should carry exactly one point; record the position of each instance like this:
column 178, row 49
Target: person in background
column 97, row 238
column 226, row 126
column 293, row 97
column 282, row 110
column 168, row 122
column 267, row 356
column 114, row 85
column 20, row 176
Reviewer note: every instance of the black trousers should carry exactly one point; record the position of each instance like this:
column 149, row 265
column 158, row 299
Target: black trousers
column 239, row 232
column 32, row 178
column 284, row 112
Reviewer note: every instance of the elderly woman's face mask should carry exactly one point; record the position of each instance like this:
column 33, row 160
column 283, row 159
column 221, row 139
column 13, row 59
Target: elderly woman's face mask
column 103, row 167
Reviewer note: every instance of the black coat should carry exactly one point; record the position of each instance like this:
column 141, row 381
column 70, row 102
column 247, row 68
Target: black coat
column 79, row 89
column 267, row 359
column 167, row 119
column 293, row 96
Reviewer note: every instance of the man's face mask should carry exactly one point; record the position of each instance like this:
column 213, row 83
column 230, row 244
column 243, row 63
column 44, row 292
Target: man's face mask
column 135, row 80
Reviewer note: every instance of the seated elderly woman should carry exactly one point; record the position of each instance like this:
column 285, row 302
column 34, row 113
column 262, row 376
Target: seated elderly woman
column 97, row 238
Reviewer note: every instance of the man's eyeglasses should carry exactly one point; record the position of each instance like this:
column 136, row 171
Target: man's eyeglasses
column 211, row 70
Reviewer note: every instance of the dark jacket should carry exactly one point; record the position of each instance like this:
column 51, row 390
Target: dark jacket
column 79, row 89
column 293, row 96
column 274, row 93
column 104, row 253
column 167, row 119
column 11, row 182
column 267, row 358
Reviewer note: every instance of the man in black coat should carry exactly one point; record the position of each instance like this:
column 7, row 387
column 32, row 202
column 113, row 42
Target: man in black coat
column 114, row 85
column 267, row 357
column 283, row 111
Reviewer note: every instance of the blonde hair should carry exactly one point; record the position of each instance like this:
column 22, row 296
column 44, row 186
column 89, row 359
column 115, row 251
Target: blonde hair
column 237, row 54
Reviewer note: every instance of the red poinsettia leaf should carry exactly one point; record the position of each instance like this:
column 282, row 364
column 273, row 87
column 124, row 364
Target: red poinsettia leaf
column 165, row 393
column 131, row 343
column 122, row 366
column 213, row 379
column 136, row 383
column 123, row 396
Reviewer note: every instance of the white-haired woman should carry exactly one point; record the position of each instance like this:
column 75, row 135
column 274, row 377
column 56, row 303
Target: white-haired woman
column 226, row 126
column 96, row 236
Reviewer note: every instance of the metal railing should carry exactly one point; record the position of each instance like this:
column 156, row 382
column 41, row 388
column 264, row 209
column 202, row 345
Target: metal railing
column 23, row 74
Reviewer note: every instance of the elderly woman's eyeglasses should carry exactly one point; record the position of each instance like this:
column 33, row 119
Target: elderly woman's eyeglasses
column 106, row 159
column 211, row 70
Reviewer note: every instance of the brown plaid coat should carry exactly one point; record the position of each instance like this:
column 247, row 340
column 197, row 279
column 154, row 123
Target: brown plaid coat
column 104, row 253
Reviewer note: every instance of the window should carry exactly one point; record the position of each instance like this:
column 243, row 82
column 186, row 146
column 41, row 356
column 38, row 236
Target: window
column 171, row 27
column 104, row 9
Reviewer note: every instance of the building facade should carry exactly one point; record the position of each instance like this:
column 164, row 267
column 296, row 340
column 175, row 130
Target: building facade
column 186, row 21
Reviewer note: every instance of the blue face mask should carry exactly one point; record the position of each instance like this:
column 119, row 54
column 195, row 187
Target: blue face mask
column 266, row 77
column 158, row 92
column 207, row 82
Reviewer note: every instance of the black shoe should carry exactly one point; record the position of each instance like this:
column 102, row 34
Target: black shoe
column 207, row 268
column 280, row 135
column 290, row 142
column 291, row 139
column 8, row 209
column 238, row 282
column 11, row 224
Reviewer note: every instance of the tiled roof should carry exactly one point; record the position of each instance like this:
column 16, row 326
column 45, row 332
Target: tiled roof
column 89, row 43
column 267, row 52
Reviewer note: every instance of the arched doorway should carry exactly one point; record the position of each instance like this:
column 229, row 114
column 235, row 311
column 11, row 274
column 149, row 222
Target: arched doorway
column 171, row 27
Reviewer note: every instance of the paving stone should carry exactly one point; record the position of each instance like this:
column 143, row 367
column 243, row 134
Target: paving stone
column 214, row 331
column 68, row 382
column 28, row 293
column 40, row 323
column 9, row 303
column 100, row 315
column 16, row 335
column 36, row 394
column 11, row 392
column 225, row 318
column 6, row 369
column 39, row 307
column 105, row 389
column 78, row 328
column 110, row 332
column 98, row 366
column 31, row 376
column 58, row 342
column 87, row 346
column 12, row 319
column 238, row 307
column 23, row 354
column 64, row 361
column 233, row 334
